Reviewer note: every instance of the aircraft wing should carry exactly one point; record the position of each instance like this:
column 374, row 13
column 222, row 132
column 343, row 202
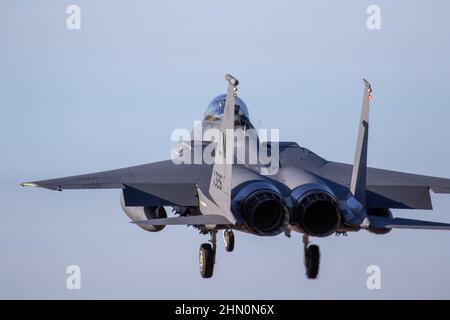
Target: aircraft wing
column 341, row 172
column 390, row 189
column 158, row 183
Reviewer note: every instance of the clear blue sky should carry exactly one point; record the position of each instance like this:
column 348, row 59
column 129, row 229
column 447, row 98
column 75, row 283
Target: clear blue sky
column 109, row 95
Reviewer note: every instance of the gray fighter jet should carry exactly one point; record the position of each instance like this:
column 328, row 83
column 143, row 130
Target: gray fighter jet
column 302, row 192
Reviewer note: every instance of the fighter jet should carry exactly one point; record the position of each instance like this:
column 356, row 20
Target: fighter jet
column 299, row 191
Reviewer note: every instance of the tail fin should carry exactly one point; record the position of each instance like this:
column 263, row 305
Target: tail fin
column 220, row 185
column 358, row 182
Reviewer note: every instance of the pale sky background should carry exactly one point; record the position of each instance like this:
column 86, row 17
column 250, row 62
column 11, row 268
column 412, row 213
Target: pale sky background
column 109, row 95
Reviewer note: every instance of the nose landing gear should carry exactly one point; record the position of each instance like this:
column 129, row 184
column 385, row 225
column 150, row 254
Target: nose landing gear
column 311, row 258
column 228, row 239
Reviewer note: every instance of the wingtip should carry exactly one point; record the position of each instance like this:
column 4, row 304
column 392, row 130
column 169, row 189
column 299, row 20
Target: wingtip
column 29, row 184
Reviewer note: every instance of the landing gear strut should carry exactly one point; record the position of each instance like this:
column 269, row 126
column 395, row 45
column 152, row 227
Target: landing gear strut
column 228, row 239
column 312, row 258
column 207, row 256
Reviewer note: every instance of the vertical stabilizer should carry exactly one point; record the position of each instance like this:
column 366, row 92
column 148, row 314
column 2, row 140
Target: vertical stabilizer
column 220, row 186
column 358, row 182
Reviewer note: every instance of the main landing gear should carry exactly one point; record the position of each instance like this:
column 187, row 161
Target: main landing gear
column 312, row 258
column 207, row 252
column 207, row 258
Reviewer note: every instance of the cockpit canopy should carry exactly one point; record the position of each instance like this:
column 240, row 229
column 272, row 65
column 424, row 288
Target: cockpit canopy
column 215, row 110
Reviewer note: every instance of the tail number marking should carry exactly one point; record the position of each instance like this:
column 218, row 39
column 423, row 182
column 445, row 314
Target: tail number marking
column 217, row 180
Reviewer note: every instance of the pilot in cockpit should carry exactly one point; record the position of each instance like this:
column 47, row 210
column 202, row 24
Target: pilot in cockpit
column 215, row 109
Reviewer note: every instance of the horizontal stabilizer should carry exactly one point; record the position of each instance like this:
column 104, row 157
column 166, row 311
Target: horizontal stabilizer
column 209, row 219
column 400, row 223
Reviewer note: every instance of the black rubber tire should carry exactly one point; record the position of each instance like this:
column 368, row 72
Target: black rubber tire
column 228, row 239
column 206, row 260
column 312, row 261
